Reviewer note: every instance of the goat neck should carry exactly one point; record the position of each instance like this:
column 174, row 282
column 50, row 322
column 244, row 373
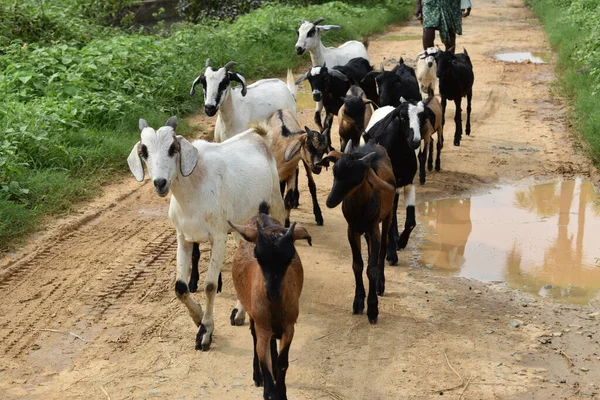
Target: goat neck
column 227, row 111
column 317, row 55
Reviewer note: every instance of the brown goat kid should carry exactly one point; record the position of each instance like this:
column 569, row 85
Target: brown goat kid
column 268, row 278
column 364, row 181
column 290, row 144
column 354, row 116
column 426, row 151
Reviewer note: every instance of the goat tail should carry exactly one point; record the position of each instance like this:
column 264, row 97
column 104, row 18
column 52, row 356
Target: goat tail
column 262, row 129
column 365, row 42
column 264, row 208
column 291, row 83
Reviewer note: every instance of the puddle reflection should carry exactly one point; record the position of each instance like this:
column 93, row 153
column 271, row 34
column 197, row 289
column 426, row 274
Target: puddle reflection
column 540, row 57
column 542, row 239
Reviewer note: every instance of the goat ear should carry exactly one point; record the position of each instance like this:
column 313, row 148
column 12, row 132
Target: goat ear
column 338, row 74
column 333, row 157
column 249, row 233
column 293, row 148
column 348, row 149
column 234, row 76
column 188, row 157
column 401, row 61
column 142, row 124
column 377, row 183
column 370, row 73
column 302, row 78
column 402, row 100
column 301, row 233
column 371, row 102
column 172, row 122
column 196, row 81
column 135, row 161
column 329, row 27
column 450, row 50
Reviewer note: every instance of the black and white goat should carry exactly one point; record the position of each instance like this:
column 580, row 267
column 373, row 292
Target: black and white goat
column 237, row 108
column 398, row 130
column 329, row 86
column 455, row 73
column 210, row 186
column 401, row 81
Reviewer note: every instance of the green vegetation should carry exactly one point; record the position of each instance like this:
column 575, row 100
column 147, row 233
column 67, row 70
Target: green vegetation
column 71, row 96
column 574, row 29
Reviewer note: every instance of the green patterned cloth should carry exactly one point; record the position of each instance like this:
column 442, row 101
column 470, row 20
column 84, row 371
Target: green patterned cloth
column 443, row 15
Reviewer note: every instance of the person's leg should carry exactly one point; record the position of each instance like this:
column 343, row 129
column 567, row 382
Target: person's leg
column 428, row 37
column 451, row 43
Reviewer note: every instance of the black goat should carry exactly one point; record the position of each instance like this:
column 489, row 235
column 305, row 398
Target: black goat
column 364, row 181
column 455, row 73
column 401, row 81
column 398, row 130
column 330, row 85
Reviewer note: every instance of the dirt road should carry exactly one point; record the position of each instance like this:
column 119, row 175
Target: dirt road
column 107, row 273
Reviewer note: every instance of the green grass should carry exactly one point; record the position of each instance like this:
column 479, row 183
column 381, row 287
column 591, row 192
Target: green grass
column 573, row 29
column 69, row 110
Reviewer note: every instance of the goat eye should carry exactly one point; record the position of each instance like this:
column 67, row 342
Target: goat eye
column 144, row 151
column 174, row 148
column 311, row 33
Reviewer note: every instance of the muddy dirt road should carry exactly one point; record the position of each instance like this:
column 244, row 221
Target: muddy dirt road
column 107, row 274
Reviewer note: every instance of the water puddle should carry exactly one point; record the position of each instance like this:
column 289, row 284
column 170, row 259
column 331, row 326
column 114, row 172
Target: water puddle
column 536, row 57
column 304, row 98
column 399, row 38
column 542, row 239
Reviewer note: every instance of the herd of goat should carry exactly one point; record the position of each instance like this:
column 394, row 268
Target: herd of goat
column 246, row 182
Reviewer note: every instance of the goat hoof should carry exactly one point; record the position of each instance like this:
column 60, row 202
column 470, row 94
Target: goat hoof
column 193, row 286
column 392, row 259
column 373, row 321
column 358, row 306
column 430, row 168
column 456, row 142
column 319, row 220
column 380, row 289
column 232, row 316
column 200, row 339
column 437, row 168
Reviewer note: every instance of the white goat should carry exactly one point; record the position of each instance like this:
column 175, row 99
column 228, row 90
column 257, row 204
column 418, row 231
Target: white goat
column 238, row 108
column 212, row 183
column 309, row 39
column 426, row 69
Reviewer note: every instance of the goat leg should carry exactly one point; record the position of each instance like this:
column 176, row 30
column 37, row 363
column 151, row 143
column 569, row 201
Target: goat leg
column 440, row 146
column 313, row 194
column 469, row 98
column 443, row 110
column 385, row 228
column 358, row 305
column 263, row 349
column 430, row 155
column 393, row 236
column 256, row 374
column 184, row 259
column 373, row 239
column 422, row 157
column 458, row 122
column 296, row 203
column 283, row 363
column 194, row 276
column 411, row 222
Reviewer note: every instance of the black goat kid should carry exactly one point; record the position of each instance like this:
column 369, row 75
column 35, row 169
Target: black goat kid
column 455, row 73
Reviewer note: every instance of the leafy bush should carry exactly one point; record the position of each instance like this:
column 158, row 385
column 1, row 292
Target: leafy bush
column 69, row 109
column 574, row 29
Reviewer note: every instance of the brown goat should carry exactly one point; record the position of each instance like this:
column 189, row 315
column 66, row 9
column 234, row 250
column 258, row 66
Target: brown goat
column 364, row 181
column 290, row 144
column 426, row 150
column 268, row 277
column 354, row 116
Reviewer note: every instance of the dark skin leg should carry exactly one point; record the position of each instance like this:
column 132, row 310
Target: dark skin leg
column 357, row 266
column 428, row 37
column 451, row 43
column 256, row 375
column 393, row 235
column 374, row 241
column 313, row 194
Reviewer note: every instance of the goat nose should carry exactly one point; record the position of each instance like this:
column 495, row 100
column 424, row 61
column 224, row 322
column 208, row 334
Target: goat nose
column 210, row 110
column 160, row 184
column 299, row 50
column 429, row 64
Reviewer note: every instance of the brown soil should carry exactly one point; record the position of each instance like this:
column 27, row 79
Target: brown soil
column 107, row 274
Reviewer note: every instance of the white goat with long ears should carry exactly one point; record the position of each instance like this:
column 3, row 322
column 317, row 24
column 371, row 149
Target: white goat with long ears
column 426, row 69
column 238, row 108
column 309, row 39
column 211, row 183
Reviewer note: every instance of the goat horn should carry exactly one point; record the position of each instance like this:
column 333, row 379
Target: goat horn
column 381, row 67
column 207, row 63
column 422, row 53
column 229, row 65
column 318, row 21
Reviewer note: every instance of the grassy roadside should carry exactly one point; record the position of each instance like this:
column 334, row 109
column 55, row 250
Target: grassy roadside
column 573, row 27
column 69, row 116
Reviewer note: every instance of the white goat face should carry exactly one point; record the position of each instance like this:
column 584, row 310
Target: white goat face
column 216, row 85
column 430, row 56
column 416, row 119
column 309, row 35
column 164, row 154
